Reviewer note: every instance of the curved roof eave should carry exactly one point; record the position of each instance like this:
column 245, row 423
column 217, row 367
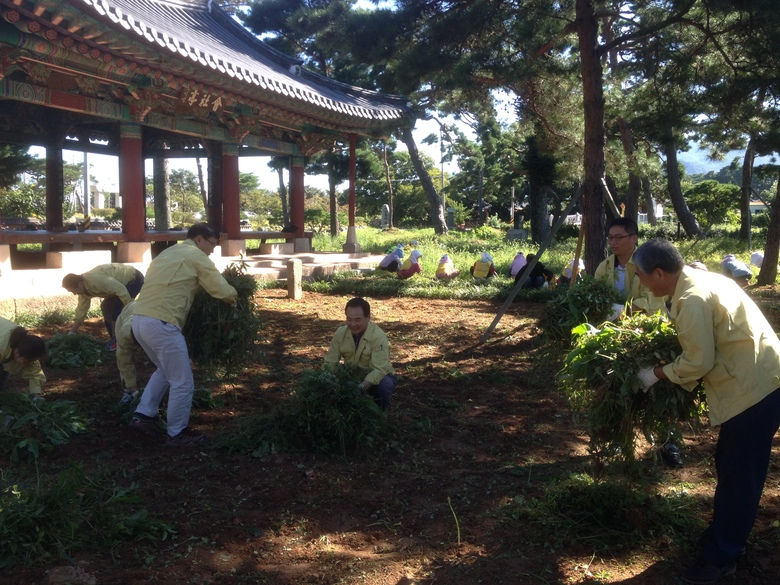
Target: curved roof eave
column 202, row 33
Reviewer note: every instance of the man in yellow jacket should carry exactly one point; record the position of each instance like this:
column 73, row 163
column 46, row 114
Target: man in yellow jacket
column 728, row 344
column 364, row 346
column 117, row 284
column 161, row 309
column 619, row 270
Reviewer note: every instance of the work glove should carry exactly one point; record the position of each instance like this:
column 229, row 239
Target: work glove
column 616, row 311
column 647, row 378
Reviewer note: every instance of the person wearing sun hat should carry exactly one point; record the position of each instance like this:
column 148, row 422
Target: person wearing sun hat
column 446, row 269
column 411, row 265
column 392, row 261
column 483, row 268
column 736, row 270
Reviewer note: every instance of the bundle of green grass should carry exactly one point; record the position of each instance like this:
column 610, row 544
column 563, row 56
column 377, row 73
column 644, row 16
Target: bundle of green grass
column 587, row 301
column 221, row 337
column 328, row 412
column 599, row 377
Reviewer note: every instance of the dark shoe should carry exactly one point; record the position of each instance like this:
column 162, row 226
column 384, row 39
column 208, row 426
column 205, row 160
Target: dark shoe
column 670, row 455
column 703, row 572
column 187, row 438
column 111, row 345
column 147, row 425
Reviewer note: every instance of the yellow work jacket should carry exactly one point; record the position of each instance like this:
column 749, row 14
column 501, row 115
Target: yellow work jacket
column 637, row 295
column 726, row 342
column 31, row 371
column 481, row 269
column 371, row 357
column 173, row 279
column 125, row 345
column 103, row 281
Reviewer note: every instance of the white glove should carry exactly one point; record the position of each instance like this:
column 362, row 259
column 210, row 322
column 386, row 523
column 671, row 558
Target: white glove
column 647, row 378
column 617, row 310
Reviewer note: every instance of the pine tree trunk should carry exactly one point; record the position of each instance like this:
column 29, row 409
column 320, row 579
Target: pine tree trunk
column 283, row 197
column 593, row 216
column 389, row 187
column 684, row 215
column 649, row 203
column 747, row 181
column 202, row 184
column 436, row 208
column 334, row 206
column 634, row 181
column 162, row 194
column 768, row 272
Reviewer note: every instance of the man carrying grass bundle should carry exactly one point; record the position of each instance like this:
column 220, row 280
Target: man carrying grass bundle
column 726, row 342
column 364, row 346
column 161, row 309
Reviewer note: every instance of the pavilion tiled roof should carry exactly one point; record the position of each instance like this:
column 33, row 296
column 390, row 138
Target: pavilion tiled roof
column 202, row 33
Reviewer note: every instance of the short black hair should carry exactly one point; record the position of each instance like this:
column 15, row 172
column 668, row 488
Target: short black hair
column 30, row 347
column 626, row 223
column 202, row 229
column 658, row 253
column 357, row 302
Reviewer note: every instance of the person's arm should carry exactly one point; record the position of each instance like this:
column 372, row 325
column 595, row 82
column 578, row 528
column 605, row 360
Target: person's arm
column 31, row 372
column 82, row 308
column 213, row 282
column 333, row 356
column 380, row 360
column 697, row 339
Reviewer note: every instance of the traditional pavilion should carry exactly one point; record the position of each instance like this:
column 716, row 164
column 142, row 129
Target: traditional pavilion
column 157, row 79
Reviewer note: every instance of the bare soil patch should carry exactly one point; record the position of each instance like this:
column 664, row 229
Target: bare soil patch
column 475, row 429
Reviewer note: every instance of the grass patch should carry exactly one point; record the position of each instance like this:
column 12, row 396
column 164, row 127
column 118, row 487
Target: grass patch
column 607, row 517
column 54, row 517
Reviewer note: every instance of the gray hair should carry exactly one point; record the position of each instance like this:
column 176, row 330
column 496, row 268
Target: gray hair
column 658, row 253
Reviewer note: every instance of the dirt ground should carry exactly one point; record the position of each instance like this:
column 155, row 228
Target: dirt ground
column 475, row 428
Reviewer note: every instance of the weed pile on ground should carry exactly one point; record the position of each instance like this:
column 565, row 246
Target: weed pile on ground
column 76, row 350
column 28, row 426
column 53, row 516
column 599, row 379
column 328, row 413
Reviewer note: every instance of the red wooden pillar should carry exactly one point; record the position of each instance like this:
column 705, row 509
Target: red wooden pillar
column 231, row 199
column 54, row 187
column 297, row 196
column 131, row 181
column 352, row 177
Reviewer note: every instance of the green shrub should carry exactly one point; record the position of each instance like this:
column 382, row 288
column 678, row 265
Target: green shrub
column 599, row 379
column 55, row 318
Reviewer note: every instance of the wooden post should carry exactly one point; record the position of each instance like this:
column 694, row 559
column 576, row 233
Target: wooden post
column 131, row 181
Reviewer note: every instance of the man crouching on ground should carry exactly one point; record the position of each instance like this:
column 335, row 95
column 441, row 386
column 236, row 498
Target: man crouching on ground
column 364, row 346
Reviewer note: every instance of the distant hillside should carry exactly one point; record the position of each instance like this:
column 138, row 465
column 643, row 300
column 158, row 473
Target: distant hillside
column 697, row 162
